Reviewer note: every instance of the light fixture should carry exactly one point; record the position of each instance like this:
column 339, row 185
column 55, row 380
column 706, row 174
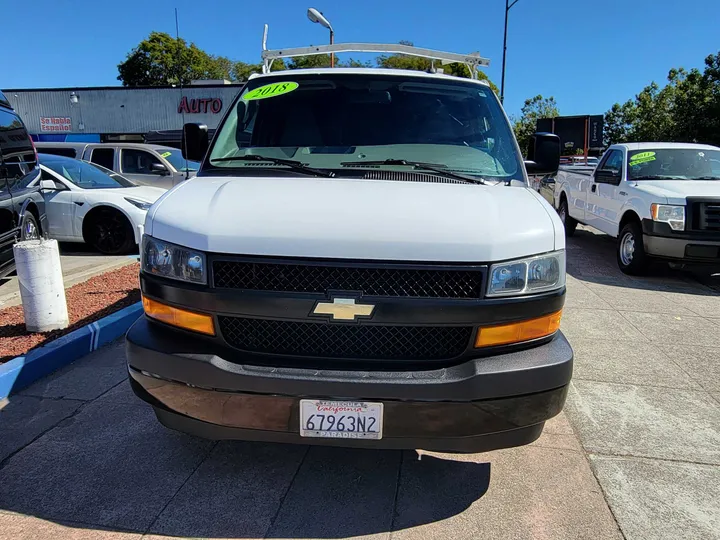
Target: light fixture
column 315, row 16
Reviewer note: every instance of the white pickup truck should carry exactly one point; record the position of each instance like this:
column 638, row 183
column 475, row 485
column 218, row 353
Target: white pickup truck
column 660, row 200
column 360, row 262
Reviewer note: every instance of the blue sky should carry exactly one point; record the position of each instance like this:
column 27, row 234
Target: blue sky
column 588, row 54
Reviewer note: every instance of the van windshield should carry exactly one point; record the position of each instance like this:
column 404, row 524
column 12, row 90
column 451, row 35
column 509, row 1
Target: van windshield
column 347, row 122
column 674, row 164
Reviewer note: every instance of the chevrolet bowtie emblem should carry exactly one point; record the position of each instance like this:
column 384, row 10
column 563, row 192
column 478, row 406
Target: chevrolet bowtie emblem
column 343, row 309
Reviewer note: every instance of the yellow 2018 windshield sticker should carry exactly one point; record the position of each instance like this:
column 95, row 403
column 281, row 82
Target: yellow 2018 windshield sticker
column 165, row 154
column 642, row 157
column 271, row 90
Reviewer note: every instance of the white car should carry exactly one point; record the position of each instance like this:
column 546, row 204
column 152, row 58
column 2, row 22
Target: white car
column 660, row 200
column 88, row 203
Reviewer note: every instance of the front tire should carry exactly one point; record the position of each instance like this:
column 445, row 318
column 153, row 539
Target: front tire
column 631, row 256
column 30, row 228
column 569, row 222
column 111, row 233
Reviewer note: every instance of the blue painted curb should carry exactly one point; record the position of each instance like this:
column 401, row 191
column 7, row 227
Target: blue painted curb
column 24, row 370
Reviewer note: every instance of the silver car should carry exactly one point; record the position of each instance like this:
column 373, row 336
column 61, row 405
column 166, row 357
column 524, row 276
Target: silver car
column 145, row 164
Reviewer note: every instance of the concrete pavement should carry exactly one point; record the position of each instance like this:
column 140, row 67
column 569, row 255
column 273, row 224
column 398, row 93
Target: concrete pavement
column 644, row 399
column 81, row 457
column 79, row 263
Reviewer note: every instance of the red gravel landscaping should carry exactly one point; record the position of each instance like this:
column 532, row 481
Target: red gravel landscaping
column 87, row 302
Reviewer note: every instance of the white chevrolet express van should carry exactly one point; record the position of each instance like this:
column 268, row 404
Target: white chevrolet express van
column 358, row 262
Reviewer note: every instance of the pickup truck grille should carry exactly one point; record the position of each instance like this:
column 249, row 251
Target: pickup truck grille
column 708, row 216
column 394, row 280
column 325, row 340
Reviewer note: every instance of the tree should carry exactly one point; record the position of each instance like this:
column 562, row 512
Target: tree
column 686, row 109
column 161, row 60
column 533, row 109
column 404, row 61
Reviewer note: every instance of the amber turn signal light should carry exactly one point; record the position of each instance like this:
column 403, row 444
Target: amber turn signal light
column 188, row 320
column 504, row 334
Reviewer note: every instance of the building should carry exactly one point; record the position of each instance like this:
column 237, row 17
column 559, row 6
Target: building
column 112, row 113
column 578, row 134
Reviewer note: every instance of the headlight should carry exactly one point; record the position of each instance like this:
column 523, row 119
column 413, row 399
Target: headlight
column 175, row 262
column 142, row 205
column 672, row 215
column 528, row 276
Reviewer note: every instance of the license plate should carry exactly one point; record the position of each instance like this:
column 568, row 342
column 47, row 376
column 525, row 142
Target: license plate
column 341, row 419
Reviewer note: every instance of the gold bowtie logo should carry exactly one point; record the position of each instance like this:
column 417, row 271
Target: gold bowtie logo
column 343, row 309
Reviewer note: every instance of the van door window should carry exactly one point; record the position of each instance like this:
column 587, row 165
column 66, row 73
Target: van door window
column 105, row 157
column 137, row 161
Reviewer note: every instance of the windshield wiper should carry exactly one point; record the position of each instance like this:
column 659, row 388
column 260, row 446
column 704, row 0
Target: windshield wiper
column 655, row 177
column 419, row 166
column 704, row 178
column 290, row 163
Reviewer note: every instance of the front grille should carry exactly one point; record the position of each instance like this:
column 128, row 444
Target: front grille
column 708, row 216
column 327, row 340
column 370, row 281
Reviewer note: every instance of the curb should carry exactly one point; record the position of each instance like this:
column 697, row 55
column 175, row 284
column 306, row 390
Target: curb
column 24, row 370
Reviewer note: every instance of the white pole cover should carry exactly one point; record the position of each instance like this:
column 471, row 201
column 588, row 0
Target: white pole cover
column 41, row 285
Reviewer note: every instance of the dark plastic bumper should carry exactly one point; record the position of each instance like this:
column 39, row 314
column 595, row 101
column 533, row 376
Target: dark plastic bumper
column 479, row 405
column 691, row 248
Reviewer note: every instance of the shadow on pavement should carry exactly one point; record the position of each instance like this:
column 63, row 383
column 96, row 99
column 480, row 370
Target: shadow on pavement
column 591, row 257
column 79, row 248
column 106, row 464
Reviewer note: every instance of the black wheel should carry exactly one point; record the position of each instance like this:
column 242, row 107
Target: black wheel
column 30, row 229
column 569, row 222
column 110, row 232
column 631, row 255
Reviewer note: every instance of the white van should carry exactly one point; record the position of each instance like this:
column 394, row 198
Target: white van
column 359, row 262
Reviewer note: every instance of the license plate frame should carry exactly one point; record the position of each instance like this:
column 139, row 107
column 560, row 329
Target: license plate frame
column 347, row 413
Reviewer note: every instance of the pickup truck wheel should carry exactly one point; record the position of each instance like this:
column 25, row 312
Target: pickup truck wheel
column 631, row 255
column 569, row 223
column 110, row 232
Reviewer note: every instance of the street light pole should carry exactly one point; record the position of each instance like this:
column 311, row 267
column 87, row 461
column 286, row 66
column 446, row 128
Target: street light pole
column 502, row 80
column 332, row 55
column 315, row 16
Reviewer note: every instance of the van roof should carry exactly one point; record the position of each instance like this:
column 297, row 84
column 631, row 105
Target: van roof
column 367, row 71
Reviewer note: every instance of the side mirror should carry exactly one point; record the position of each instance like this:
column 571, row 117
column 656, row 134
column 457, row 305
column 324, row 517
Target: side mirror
column 48, row 185
column 608, row 177
column 543, row 154
column 194, row 141
column 159, row 168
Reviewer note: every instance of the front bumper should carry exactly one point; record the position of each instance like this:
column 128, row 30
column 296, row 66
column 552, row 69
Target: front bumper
column 481, row 404
column 687, row 247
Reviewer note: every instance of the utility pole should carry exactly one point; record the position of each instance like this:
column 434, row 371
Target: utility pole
column 502, row 81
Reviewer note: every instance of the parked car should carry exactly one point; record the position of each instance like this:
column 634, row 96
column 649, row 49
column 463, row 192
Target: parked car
column 22, row 210
column 360, row 261
column 89, row 203
column 660, row 200
column 144, row 164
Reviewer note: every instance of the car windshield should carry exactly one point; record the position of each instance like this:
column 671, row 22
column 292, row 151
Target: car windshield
column 174, row 156
column 348, row 123
column 673, row 164
column 83, row 174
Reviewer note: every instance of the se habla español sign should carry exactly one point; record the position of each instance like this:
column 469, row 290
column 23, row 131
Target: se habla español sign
column 55, row 123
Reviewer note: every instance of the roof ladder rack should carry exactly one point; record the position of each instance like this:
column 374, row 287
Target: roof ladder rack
column 473, row 60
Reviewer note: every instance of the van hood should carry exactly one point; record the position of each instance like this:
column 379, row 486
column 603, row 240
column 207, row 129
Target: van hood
column 356, row 219
column 679, row 189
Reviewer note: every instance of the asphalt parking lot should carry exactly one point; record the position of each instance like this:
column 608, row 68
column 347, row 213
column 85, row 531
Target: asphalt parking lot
column 635, row 455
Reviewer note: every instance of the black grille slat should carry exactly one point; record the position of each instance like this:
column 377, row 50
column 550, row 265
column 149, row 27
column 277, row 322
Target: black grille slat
column 708, row 216
column 326, row 340
column 398, row 282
